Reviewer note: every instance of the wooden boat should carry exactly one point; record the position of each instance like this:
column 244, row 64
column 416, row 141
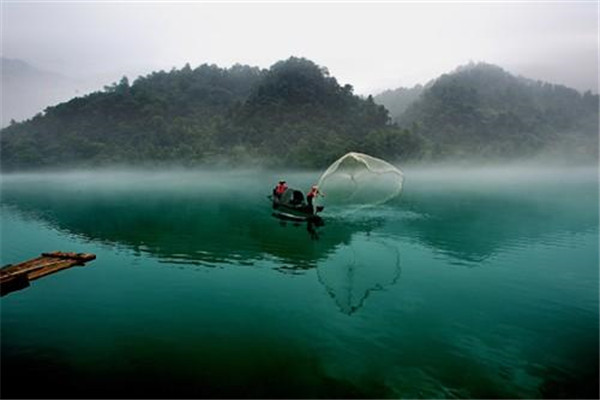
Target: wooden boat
column 292, row 206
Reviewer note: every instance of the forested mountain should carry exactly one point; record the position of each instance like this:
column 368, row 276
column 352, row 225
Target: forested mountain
column 296, row 114
column 292, row 114
column 480, row 109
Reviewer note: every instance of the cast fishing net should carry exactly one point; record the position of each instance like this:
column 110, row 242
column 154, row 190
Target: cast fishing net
column 360, row 179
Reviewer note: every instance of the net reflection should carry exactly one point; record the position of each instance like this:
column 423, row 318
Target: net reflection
column 354, row 271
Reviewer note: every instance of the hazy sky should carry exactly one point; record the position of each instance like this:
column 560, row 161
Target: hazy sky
column 371, row 46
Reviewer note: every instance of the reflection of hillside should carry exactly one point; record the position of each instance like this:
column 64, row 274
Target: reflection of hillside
column 211, row 227
column 191, row 227
column 471, row 225
column 195, row 220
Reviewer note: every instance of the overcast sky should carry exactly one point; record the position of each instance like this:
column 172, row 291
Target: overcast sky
column 371, row 46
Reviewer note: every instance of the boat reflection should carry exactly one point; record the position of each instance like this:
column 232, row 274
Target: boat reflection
column 312, row 225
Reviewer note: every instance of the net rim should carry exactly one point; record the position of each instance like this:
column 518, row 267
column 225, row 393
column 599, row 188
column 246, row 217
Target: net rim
column 363, row 159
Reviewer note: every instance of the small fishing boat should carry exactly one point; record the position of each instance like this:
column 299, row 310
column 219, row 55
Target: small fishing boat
column 292, row 206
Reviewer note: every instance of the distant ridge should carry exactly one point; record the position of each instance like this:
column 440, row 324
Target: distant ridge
column 27, row 90
column 398, row 100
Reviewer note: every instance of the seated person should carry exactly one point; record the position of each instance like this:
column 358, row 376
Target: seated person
column 279, row 189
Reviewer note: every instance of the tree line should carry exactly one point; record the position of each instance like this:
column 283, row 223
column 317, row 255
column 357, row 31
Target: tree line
column 296, row 114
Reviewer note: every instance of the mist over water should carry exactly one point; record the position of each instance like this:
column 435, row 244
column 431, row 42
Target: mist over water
column 474, row 282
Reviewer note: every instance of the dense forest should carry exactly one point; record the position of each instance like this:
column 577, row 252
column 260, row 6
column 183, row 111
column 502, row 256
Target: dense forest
column 295, row 114
column 481, row 110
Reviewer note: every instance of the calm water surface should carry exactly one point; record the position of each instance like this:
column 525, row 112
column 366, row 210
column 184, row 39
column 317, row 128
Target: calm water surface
column 474, row 283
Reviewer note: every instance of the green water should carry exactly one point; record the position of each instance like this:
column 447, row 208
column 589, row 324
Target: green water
column 474, row 283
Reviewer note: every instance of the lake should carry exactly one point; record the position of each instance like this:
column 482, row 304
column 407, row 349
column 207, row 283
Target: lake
column 474, row 283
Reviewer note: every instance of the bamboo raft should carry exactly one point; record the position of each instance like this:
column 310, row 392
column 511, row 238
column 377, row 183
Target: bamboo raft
column 17, row 277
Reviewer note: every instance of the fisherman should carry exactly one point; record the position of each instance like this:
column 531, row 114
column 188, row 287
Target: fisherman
column 279, row 189
column 314, row 192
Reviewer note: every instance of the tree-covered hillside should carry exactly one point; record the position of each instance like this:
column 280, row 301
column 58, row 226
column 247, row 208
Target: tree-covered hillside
column 292, row 114
column 295, row 114
column 482, row 110
column 161, row 116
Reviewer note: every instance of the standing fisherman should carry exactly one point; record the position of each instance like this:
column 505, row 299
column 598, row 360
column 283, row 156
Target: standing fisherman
column 314, row 192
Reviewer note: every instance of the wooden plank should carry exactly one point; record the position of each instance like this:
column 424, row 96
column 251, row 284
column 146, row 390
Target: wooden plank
column 16, row 277
column 30, row 266
column 52, row 269
column 70, row 255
